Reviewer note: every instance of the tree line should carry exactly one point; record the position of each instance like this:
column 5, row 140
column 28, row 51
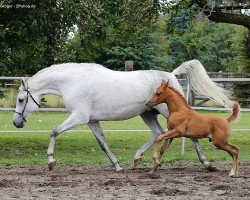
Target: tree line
column 154, row 34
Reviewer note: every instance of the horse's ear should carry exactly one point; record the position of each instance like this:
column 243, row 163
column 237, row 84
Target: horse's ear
column 23, row 82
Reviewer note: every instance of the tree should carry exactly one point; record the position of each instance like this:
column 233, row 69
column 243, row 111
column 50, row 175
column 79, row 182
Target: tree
column 221, row 11
column 109, row 32
column 215, row 45
column 30, row 33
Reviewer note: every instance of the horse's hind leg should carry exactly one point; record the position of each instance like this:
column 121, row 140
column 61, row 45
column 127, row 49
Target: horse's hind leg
column 151, row 121
column 97, row 130
column 71, row 122
column 201, row 156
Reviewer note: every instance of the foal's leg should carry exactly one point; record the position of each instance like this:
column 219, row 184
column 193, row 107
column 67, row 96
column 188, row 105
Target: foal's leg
column 162, row 151
column 234, row 152
column 171, row 134
column 97, row 130
column 220, row 140
column 168, row 135
column 164, row 148
column 151, row 121
column 72, row 121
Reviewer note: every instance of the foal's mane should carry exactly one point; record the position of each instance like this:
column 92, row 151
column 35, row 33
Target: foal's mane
column 182, row 97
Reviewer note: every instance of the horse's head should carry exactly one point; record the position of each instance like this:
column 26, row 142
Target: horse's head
column 27, row 102
column 159, row 95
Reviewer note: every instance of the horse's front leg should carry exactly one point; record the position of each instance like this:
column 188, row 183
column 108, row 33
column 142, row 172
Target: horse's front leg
column 151, row 121
column 71, row 122
column 98, row 132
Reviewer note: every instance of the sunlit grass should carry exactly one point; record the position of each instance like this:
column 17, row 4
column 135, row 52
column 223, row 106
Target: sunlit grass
column 82, row 148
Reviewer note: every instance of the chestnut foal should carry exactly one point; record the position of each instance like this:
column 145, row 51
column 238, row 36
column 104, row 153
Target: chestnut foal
column 183, row 121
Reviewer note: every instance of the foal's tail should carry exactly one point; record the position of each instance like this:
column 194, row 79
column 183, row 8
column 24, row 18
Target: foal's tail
column 235, row 114
column 201, row 83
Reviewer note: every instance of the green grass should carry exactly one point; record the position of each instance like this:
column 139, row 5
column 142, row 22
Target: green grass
column 82, row 148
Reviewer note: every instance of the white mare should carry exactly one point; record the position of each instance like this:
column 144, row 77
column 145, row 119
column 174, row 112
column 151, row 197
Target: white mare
column 93, row 93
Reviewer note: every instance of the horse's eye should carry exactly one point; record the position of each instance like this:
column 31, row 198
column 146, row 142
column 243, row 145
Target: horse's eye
column 158, row 94
column 20, row 100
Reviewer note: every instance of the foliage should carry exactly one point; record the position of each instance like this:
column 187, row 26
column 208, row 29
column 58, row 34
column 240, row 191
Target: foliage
column 121, row 34
column 147, row 53
column 30, row 35
column 229, row 11
column 109, row 32
column 213, row 44
column 240, row 60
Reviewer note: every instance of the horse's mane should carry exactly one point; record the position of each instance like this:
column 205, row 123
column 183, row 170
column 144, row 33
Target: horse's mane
column 182, row 97
column 40, row 72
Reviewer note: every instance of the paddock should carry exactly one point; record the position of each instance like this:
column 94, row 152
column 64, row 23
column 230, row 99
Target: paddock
column 83, row 170
column 100, row 182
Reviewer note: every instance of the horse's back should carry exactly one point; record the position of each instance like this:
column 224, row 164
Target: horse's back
column 91, row 71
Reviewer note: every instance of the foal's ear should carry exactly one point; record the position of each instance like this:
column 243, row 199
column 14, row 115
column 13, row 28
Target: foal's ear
column 23, row 82
column 164, row 84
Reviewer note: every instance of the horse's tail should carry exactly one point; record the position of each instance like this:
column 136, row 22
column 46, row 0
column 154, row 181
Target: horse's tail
column 201, row 83
column 235, row 114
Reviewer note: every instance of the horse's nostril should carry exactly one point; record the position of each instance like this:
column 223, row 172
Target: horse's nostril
column 14, row 123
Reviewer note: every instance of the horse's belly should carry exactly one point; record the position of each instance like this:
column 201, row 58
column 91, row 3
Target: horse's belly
column 119, row 113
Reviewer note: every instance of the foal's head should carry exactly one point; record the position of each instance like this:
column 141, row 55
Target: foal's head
column 159, row 95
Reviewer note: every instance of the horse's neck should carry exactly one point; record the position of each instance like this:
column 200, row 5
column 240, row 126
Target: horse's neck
column 175, row 102
column 45, row 83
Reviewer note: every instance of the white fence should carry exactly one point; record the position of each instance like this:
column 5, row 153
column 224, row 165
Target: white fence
column 190, row 95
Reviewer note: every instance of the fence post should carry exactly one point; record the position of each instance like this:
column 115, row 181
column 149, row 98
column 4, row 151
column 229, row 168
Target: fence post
column 183, row 138
column 129, row 65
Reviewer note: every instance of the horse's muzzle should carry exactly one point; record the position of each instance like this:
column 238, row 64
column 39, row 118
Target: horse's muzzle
column 149, row 104
column 18, row 125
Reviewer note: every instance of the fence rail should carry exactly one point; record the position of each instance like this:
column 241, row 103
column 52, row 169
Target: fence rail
column 191, row 96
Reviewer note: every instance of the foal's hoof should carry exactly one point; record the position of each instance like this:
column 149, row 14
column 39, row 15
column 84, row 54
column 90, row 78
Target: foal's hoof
column 137, row 162
column 233, row 174
column 51, row 165
column 153, row 170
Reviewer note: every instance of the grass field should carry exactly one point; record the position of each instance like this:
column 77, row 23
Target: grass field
column 82, row 148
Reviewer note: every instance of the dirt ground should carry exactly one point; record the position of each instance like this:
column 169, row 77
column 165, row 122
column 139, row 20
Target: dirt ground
column 175, row 181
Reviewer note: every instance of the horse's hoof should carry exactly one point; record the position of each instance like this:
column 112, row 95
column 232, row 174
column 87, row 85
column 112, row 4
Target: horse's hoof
column 51, row 165
column 119, row 169
column 137, row 162
column 211, row 168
